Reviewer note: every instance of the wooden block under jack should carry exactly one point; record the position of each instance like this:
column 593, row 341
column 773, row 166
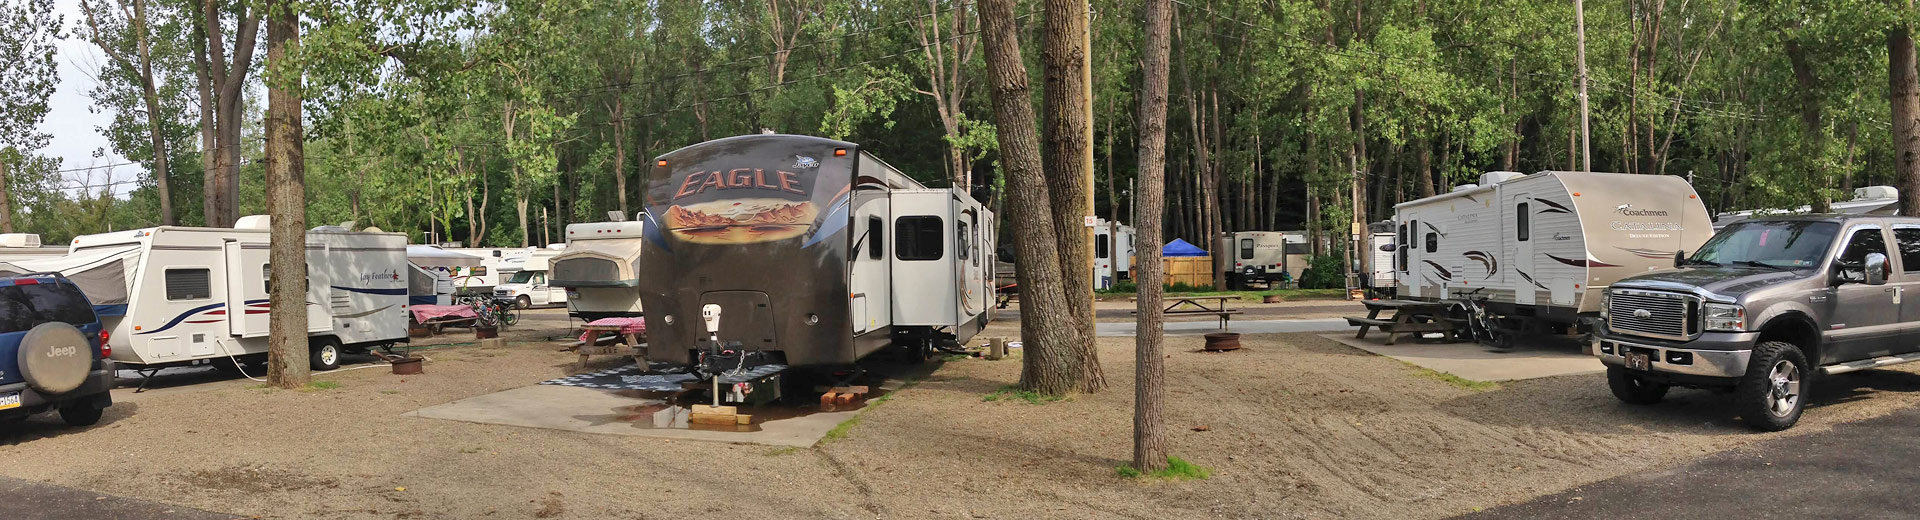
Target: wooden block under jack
column 715, row 410
column 708, row 418
column 743, row 419
column 997, row 348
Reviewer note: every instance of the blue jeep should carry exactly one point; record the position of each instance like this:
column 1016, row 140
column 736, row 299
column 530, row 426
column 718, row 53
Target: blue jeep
column 53, row 353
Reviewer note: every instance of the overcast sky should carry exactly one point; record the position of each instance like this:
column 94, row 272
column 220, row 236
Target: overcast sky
column 72, row 122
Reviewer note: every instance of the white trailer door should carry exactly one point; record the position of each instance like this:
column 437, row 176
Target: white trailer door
column 246, row 274
column 970, row 273
column 923, row 258
column 872, row 290
column 1518, row 229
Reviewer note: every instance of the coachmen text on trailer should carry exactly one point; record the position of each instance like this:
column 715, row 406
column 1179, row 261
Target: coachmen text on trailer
column 1544, row 245
column 809, row 252
column 177, row 296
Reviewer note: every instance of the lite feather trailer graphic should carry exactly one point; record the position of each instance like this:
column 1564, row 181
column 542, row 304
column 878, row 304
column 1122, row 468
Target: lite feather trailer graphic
column 1544, row 245
column 816, row 252
column 179, row 296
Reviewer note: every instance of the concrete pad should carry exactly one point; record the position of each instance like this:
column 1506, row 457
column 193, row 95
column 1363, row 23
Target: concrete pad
column 610, row 412
column 1528, row 359
column 1209, row 326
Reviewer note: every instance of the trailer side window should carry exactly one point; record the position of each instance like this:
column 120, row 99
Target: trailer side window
column 1100, row 246
column 1909, row 241
column 189, row 284
column 876, row 236
column 1522, row 223
column 918, row 238
column 960, row 240
column 1401, row 247
column 1433, row 242
column 1246, row 249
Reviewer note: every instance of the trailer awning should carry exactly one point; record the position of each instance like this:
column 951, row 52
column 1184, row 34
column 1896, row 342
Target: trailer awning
column 429, row 256
column 598, row 263
column 101, row 274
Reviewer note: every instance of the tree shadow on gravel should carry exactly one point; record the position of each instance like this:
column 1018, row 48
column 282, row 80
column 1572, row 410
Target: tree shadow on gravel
column 1583, row 404
column 44, row 425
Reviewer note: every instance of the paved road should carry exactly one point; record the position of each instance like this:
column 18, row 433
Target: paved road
column 28, row 500
column 1864, row 469
column 1184, row 328
column 1290, row 311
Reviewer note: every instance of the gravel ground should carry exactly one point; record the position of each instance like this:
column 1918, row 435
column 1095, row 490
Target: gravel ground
column 1296, row 426
column 1107, row 311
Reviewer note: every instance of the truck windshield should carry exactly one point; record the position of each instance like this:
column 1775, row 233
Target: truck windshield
column 1783, row 244
column 521, row 277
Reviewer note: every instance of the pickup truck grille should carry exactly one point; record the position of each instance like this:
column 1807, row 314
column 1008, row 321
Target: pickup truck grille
column 1651, row 314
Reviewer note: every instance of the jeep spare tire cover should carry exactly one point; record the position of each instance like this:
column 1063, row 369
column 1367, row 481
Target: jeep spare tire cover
column 55, row 358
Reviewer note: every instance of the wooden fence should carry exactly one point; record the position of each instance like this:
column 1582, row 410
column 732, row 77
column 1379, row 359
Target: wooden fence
column 1193, row 270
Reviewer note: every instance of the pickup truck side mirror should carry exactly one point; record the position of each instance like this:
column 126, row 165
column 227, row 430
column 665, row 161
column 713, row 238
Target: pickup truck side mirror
column 1876, row 269
column 1680, row 258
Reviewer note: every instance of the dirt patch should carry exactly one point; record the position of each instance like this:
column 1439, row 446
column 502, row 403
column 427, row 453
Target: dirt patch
column 1295, row 426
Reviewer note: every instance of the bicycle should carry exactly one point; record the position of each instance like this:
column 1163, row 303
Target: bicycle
column 494, row 312
column 1482, row 324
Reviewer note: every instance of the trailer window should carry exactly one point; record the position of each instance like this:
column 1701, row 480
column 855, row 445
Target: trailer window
column 1102, row 246
column 960, row 240
column 918, row 238
column 1433, row 242
column 1522, row 224
column 1401, row 246
column 1246, row 249
column 189, row 284
column 875, row 237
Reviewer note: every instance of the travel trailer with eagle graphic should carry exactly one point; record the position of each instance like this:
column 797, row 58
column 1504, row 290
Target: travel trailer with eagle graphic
column 180, row 296
column 1544, row 245
column 816, row 252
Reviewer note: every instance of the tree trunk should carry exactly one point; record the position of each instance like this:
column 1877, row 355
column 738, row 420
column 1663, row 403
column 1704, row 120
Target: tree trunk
column 286, row 204
column 6, row 199
column 1050, row 365
column 1068, row 159
column 1149, row 434
column 227, row 83
column 1813, row 142
column 618, row 114
column 1903, row 93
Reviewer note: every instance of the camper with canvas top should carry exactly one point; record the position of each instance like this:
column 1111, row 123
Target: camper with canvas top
column 1536, row 250
column 180, row 296
column 600, row 269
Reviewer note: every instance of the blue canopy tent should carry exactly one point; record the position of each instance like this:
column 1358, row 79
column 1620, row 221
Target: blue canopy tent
column 1180, row 247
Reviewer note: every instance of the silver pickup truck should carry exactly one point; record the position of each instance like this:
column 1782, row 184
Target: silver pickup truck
column 1765, row 307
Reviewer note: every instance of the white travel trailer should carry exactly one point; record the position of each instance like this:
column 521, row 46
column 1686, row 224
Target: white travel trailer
column 600, row 269
column 1544, row 245
column 529, row 284
column 176, row 296
column 1112, row 253
column 496, row 266
column 26, row 246
column 816, row 253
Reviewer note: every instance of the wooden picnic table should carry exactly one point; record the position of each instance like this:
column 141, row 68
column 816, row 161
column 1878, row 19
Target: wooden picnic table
column 1190, row 305
column 1409, row 317
column 630, row 344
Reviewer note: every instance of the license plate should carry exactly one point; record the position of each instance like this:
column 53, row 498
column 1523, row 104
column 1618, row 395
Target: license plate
column 9, row 400
column 1638, row 361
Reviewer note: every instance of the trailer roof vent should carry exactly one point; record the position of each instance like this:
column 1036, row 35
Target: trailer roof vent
column 1492, row 178
column 1465, row 187
column 1876, row 193
column 254, row 222
column 19, row 240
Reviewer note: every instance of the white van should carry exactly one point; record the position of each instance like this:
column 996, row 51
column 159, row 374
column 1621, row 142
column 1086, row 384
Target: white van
column 529, row 287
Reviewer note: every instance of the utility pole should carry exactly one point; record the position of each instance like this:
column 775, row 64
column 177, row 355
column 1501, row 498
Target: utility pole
column 1086, row 155
column 1580, row 52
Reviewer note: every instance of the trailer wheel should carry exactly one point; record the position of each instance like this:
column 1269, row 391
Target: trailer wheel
column 324, row 356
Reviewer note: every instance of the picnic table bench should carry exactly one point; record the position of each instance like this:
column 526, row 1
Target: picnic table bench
column 627, row 332
column 1409, row 317
column 1195, row 305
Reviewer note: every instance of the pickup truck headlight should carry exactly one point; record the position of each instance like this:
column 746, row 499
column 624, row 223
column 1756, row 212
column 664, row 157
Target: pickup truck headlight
column 1724, row 317
column 1604, row 303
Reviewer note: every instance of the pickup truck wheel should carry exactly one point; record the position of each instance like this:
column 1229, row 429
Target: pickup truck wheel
column 1633, row 389
column 1772, row 394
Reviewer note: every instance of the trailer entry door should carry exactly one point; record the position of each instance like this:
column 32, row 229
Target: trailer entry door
column 248, row 278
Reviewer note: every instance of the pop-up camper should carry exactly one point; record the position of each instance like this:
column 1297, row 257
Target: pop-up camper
column 433, row 272
column 600, row 269
column 1544, row 245
column 814, row 251
column 177, row 296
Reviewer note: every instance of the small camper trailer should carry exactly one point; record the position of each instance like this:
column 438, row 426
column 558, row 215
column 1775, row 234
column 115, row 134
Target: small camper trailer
column 1252, row 257
column 177, row 296
column 814, row 251
column 432, row 276
column 496, row 266
column 600, row 269
column 1112, row 253
column 1544, row 245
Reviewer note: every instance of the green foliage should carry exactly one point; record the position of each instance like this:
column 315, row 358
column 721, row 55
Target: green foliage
column 1324, row 272
column 1010, row 392
column 1177, row 469
column 317, row 386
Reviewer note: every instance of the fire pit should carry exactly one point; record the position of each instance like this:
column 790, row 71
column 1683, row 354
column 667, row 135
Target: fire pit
column 1223, row 342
